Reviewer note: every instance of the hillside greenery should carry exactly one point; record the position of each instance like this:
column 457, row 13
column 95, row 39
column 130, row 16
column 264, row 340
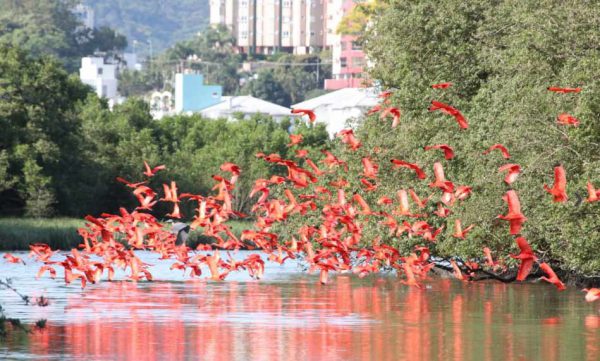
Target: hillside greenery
column 48, row 27
column 159, row 22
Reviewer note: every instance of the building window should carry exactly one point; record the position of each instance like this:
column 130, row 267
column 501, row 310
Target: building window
column 100, row 71
column 356, row 46
column 343, row 62
column 312, row 33
column 358, row 62
column 286, row 4
column 244, row 35
column 286, row 34
column 244, row 19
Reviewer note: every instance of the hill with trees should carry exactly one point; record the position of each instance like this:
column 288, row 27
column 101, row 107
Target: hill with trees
column 162, row 22
column 48, row 27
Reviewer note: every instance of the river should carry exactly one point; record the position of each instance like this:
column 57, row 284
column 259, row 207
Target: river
column 289, row 316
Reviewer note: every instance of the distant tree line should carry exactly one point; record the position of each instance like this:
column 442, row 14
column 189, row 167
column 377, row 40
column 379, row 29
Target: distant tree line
column 61, row 148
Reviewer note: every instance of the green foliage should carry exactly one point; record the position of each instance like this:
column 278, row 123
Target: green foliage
column 48, row 27
column 266, row 87
column 289, row 81
column 163, row 22
column 500, row 56
column 58, row 233
column 37, row 107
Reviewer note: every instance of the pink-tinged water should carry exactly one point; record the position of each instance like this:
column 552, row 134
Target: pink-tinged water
column 288, row 316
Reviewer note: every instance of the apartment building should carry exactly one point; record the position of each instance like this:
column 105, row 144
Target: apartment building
column 348, row 58
column 295, row 26
column 267, row 26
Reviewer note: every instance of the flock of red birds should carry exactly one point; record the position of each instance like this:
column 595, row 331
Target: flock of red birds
column 333, row 243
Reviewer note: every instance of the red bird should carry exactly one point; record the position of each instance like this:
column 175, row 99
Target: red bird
column 501, row 148
column 459, row 232
column 559, row 190
column 375, row 109
column 440, row 179
column 526, row 256
column 514, row 215
column 567, row 119
column 563, row 90
column 593, row 294
column 447, row 109
column 513, row 172
column 295, row 139
column 395, row 112
column 369, row 168
column 441, row 85
column 552, row 277
column 311, row 115
column 348, row 138
column 448, row 151
column 150, row 172
column 593, row 194
column 400, row 163
column 12, row 259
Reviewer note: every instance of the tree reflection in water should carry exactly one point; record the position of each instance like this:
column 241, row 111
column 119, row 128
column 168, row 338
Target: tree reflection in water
column 350, row 319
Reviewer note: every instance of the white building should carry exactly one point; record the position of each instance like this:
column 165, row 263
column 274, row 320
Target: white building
column 246, row 105
column 100, row 76
column 336, row 108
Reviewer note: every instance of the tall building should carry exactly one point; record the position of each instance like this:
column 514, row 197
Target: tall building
column 348, row 58
column 296, row 26
column 267, row 26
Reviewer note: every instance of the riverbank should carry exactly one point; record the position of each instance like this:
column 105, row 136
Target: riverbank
column 16, row 234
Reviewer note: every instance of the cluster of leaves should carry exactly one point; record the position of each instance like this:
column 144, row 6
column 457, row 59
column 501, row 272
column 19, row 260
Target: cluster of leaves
column 48, row 27
column 501, row 57
column 287, row 82
column 61, row 147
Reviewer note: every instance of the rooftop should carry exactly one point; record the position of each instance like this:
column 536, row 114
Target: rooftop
column 343, row 98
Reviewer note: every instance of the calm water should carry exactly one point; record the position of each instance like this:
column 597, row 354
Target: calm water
column 288, row 316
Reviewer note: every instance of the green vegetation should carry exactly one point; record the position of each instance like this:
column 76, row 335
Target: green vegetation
column 162, row 22
column 61, row 233
column 48, row 27
column 62, row 148
column 58, row 233
column 501, row 56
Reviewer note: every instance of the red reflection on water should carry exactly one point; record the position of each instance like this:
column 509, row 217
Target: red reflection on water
column 379, row 319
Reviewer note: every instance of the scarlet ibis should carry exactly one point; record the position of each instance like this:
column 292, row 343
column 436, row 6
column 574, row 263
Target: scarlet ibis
column 394, row 112
column 448, row 151
column 311, row 115
column 563, row 90
column 526, row 256
column 441, row 85
column 397, row 163
column 552, row 277
column 592, row 294
column 12, row 259
column 499, row 147
column 513, row 172
column 295, row 139
column 567, row 119
column 514, row 215
column 447, row 109
column 559, row 190
column 150, row 172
